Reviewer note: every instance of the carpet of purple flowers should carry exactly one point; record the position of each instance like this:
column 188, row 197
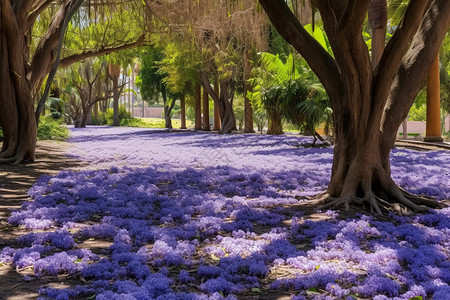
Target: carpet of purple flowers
column 182, row 215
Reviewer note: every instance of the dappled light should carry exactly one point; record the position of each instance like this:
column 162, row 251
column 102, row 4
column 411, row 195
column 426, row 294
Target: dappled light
column 168, row 221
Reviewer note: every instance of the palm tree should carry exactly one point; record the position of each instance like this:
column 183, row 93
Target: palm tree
column 291, row 91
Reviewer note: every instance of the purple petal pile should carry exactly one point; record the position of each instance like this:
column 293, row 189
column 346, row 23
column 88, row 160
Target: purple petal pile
column 163, row 215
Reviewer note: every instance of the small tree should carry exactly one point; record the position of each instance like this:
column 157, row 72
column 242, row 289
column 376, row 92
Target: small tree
column 152, row 81
column 91, row 87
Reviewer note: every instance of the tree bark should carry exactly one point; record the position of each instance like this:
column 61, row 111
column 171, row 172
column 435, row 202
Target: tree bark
column 167, row 109
column 248, row 123
column 114, row 71
column 224, row 102
column 17, row 117
column 378, row 22
column 274, row 120
column 197, row 107
column 368, row 104
column 183, row 112
column 216, row 107
column 206, row 126
column 405, row 129
column 433, row 123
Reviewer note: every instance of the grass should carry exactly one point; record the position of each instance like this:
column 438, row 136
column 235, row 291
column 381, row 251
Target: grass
column 159, row 122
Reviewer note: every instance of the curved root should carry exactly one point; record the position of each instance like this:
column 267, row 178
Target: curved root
column 15, row 160
column 320, row 199
column 396, row 201
column 421, row 200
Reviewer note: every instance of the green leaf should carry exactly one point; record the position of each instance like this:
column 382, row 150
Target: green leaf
column 416, row 298
column 256, row 290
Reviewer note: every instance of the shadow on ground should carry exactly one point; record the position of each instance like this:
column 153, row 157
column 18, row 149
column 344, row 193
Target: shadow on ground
column 15, row 181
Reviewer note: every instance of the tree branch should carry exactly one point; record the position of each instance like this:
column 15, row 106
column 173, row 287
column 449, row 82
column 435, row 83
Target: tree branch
column 415, row 64
column 67, row 61
column 292, row 31
column 395, row 50
column 209, row 89
column 37, row 9
column 67, row 13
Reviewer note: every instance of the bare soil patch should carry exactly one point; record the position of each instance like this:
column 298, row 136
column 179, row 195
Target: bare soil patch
column 15, row 181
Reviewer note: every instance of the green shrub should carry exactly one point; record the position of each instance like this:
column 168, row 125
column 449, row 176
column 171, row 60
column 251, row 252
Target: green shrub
column 51, row 129
column 447, row 136
column 157, row 124
column 106, row 118
column 101, row 119
column 134, row 123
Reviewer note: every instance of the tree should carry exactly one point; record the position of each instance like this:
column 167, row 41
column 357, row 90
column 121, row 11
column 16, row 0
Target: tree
column 219, row 33
column 89, row 82
column 368, row 104
column 289, row 90
column 26, row 60
column 153, row 81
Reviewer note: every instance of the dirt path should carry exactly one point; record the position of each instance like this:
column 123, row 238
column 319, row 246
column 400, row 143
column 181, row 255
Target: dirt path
column 15, row 181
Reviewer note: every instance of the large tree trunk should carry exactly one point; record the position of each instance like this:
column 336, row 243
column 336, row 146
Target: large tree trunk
column 368, row 105
column 22, row 74
column 17, row 117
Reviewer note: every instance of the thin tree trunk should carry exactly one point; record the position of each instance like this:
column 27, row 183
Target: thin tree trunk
column 167, row 109
column 224, row 102
column 378, row 22
column 206, row 126
column 183, row 112
column 114, row 71
column 405, row 129
column 216, row 107
column 95, row 110
column 248, row 115
column 198, row 109
column 275, row 125
column 133, row 78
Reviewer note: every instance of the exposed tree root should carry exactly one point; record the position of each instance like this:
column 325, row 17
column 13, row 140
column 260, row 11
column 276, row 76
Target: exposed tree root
column 372, row 187
column 7, row 153
column 422, row 200
column 395, row 199
column 15, row 160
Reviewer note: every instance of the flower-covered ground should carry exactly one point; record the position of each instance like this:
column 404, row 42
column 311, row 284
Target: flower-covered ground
column 182, row 215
